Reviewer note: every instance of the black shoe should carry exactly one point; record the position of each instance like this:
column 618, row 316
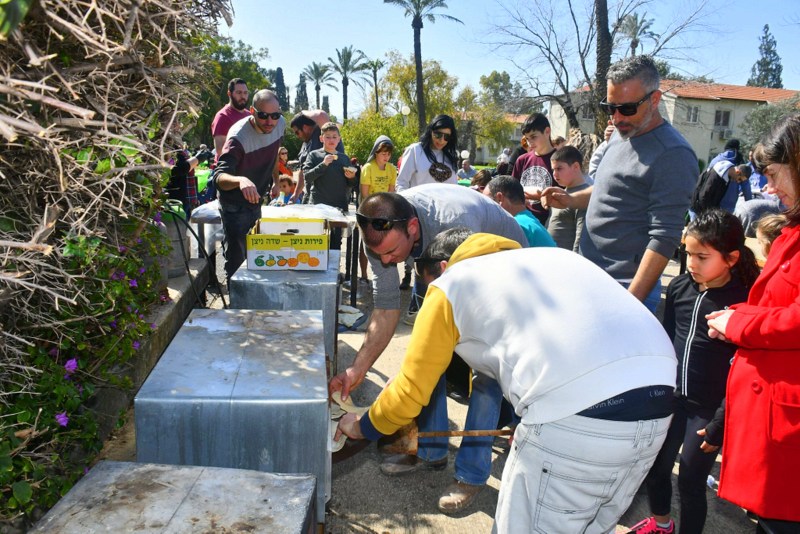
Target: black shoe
column 406, row 283
column 403, row 464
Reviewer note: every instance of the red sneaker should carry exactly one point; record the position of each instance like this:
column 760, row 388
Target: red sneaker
column 649, row 526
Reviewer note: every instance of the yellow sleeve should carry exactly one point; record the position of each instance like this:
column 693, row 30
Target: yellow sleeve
column 429, row 353
column 366, row 174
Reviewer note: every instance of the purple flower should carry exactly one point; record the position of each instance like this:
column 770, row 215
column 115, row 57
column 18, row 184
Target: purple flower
column 142, row 270
column 136, row 345
column 71, row 366
column 123, row 248
column 134, row 283
column 157, row 217
column 62, row 419
column 141, row 317
column 138, row 240
column 153, row 326
column 53, row 352
column 117, row 275
column 113, row 324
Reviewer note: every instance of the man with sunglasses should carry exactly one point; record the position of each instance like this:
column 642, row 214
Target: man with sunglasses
column 643, row 185
column 396, row 226
column 247, row 171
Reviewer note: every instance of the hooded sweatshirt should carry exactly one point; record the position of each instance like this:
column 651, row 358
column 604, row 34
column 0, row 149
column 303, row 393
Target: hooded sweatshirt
column 379, row 180
column 556, row 332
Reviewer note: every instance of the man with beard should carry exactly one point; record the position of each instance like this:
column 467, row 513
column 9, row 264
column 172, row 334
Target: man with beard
column 231, row 113
column 642, row 187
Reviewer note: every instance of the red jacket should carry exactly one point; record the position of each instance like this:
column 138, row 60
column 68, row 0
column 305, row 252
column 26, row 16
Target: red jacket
column 761, row 449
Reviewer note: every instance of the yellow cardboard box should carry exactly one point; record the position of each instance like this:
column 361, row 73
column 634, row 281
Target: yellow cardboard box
column 287, row 251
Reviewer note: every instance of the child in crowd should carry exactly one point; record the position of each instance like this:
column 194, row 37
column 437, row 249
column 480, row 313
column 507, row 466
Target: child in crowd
column 286, row 187
column 328, row 175
column 721, row 271
column 481, row 180
column 533, row 170
column 565, row 225
column 768, row 228
column 377, row 175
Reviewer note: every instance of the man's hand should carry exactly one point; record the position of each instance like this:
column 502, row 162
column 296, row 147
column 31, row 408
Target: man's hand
column 609, row 131
column 249, row 191
column 330, row 158
column 346, row 382
column 555, row 197
column 718, row 323
column 705, row 446
column 349, row 426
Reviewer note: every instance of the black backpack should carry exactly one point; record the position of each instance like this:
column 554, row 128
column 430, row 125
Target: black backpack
column 709, row 191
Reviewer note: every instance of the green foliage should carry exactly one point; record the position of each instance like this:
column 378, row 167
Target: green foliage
column 359, row 134
column 666, row 73
column 498, row 90
column 228, row 59
column 301, row 99
column 352, row 66
column 280, row 89
column 766, row 72
column 11, row 14
column 762, row 118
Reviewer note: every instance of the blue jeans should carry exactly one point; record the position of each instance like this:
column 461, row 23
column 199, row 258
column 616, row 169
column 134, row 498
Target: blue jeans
column 237, row 220
column 474, row 457
column 653, row 298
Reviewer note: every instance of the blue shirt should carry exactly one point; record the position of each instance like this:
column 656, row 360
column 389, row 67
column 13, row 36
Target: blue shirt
column 534, row 231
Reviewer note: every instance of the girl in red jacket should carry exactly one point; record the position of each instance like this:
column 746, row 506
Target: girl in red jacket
column 721, row 271
column 761, row 450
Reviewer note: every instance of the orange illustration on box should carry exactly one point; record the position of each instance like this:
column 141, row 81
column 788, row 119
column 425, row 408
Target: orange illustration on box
column 304, row 257
column 293, row 262
column 313, row 262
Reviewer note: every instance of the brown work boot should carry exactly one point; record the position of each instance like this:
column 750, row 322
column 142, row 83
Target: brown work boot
column 403, row 464
column 458, row 496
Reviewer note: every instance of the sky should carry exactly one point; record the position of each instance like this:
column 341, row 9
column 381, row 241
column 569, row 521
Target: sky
column 298, row 32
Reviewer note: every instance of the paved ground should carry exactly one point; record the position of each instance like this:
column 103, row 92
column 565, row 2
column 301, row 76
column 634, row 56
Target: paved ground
column 365, row 501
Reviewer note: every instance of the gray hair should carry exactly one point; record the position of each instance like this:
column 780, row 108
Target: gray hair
column 264, row 95
column 509, row 186
column 642, row 68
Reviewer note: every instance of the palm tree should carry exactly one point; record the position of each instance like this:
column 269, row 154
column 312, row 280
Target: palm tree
column 374, row 66
column 350, row 64
column 418, row 10
column 636, row 29
column 319, row 75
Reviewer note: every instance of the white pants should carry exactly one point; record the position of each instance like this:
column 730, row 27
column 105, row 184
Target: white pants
column 575, row 475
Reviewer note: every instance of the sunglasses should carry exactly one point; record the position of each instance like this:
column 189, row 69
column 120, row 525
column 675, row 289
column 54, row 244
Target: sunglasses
column 627, row 109
column 379, row 224
column 263, row 115
column 420, row 263
column 442, row 135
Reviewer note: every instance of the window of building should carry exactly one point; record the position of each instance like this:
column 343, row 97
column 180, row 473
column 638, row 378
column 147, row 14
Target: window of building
column 722, row 118
column 692, row 113
column 586, row 112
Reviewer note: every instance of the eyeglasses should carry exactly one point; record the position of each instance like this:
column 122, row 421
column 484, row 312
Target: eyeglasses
column 263, row 115
column 378, row 223
column 627, row 109
column 419, row 264
column 442, row 135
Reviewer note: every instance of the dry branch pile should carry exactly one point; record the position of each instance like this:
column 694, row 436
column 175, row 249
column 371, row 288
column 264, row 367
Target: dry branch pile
column 93, row 94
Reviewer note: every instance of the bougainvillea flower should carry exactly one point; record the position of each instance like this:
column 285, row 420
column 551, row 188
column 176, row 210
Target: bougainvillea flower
column 62, row 419
column 71, row 366
column 134, row 283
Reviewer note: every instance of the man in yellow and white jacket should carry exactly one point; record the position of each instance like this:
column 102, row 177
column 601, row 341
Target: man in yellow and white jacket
column 588, row 369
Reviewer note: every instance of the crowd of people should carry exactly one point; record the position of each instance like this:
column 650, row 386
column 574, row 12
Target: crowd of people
column 535, row 294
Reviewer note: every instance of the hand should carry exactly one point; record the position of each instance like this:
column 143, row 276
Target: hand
column 349, row 174
column 555, row 197
column 330, row 158
column 705, row 446
column 345, row 382
column 718, row 324
column 249, row 191
column 536, row 194
column 609, row 131
column 349, row 426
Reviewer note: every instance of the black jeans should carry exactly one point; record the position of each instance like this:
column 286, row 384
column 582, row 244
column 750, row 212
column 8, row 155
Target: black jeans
column 237, row 220
column 695, row 466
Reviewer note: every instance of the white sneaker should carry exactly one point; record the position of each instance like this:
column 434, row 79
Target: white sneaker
column 410, row 317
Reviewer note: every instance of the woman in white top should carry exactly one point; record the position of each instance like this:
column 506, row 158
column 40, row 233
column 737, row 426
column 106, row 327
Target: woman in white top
column 433, row 159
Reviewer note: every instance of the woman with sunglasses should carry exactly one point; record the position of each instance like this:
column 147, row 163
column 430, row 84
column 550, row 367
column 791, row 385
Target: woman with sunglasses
column 761, row 444
column 283, row 159
column 433, row 159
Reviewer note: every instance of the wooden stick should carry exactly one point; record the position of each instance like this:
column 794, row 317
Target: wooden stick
column 468, row 433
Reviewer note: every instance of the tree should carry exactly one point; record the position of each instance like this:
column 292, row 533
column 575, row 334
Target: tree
column 228, row 59
column 480, row 121
column 361, row 133
column 498, row 89
column 350, row 64
column 419, row 10
column 401, row 86
column 301, row 99
column 562, row 46
column 763, row 117
column 320, row 75
column 666, row 73
column 766, row 72
column 374, row 66
column 634, row 29
column 280, row 89
column 326, row 107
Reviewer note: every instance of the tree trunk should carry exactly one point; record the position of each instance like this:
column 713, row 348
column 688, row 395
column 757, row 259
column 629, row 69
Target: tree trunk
column 317, row 88
column 417, row 25
column 345, row 82
column 375, row 86
column 603, row 63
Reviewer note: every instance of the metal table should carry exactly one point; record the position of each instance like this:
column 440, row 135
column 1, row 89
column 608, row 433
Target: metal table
column 152, row 498
column 292, row 290
column 244, row 389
